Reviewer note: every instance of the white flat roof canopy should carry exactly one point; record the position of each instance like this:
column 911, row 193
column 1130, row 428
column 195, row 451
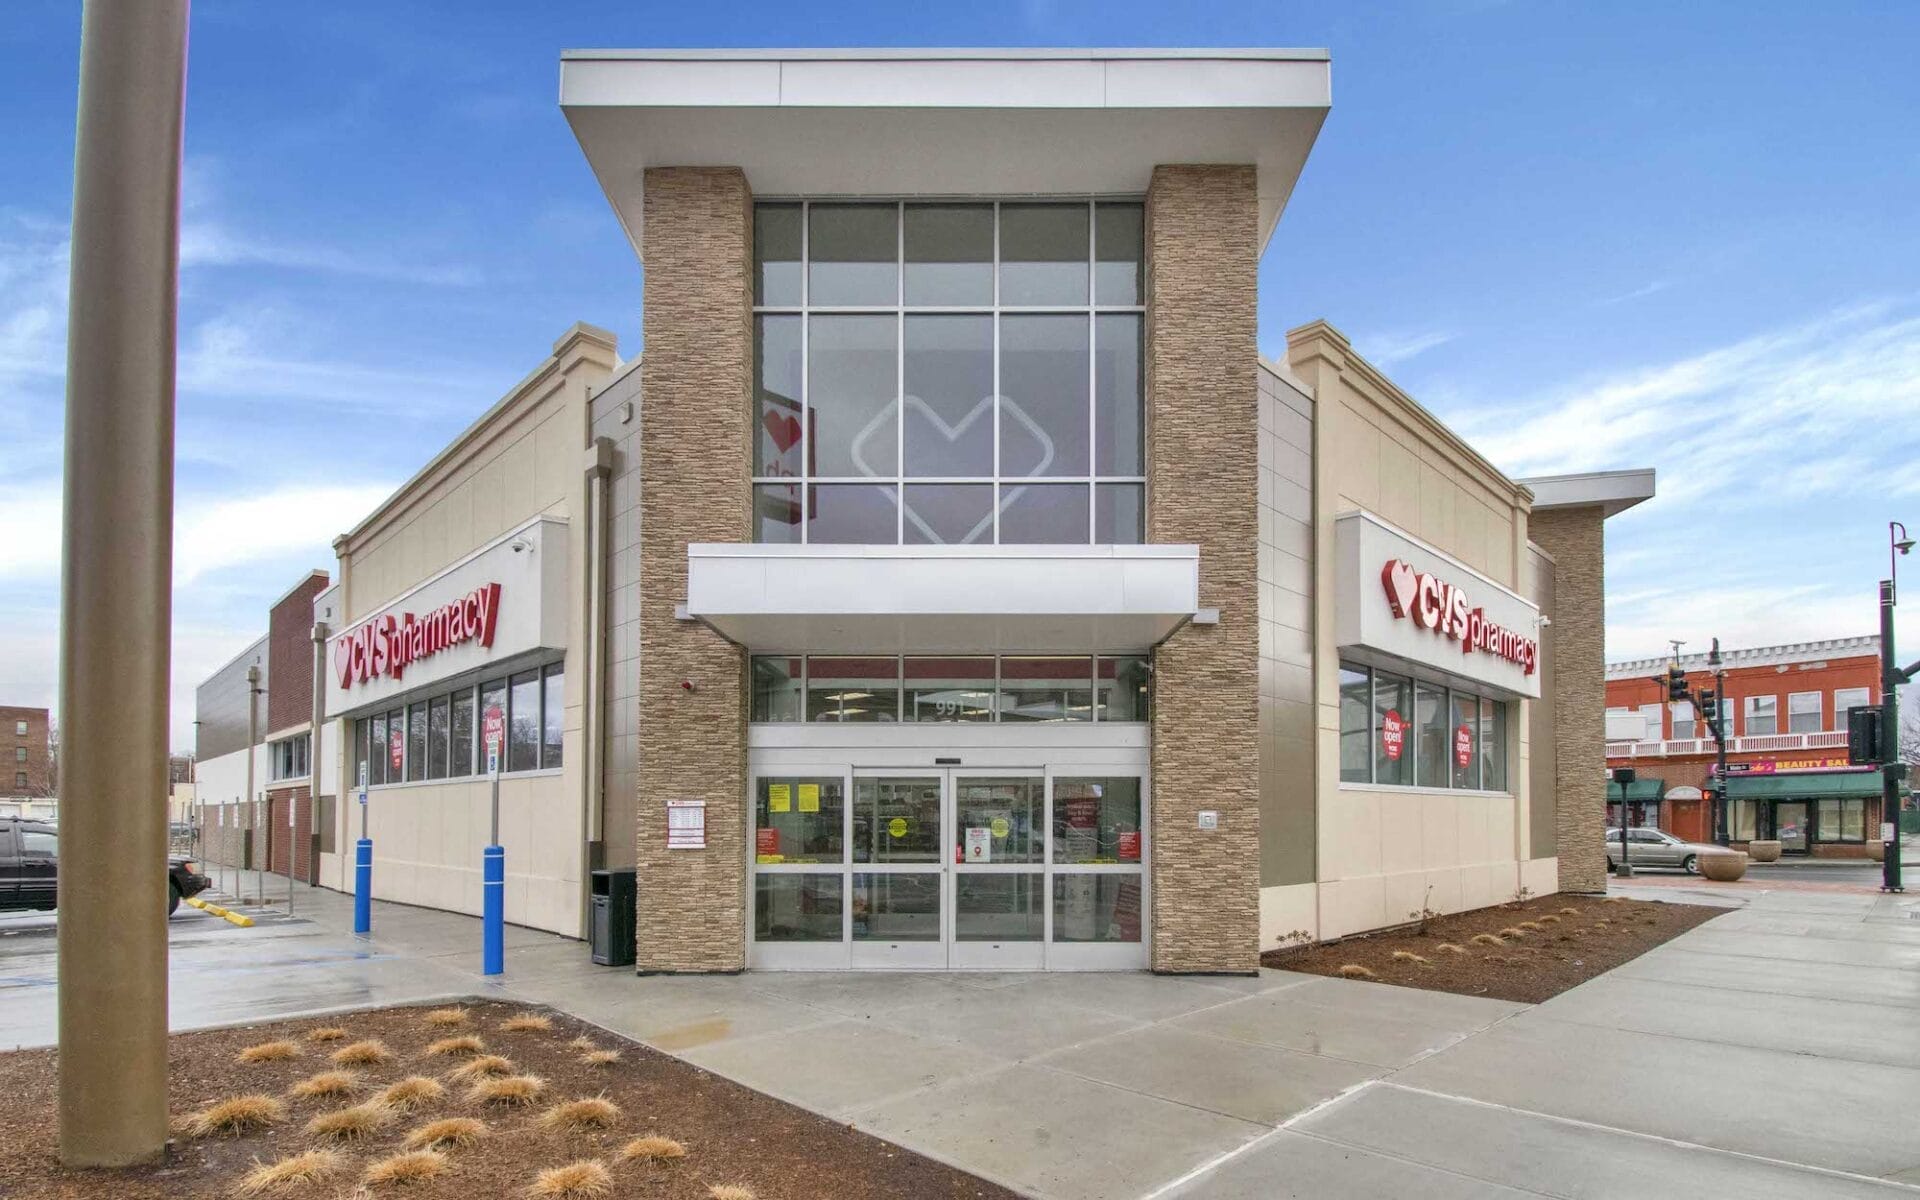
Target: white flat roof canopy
column 943, row 122
column 1613, row 491
column 943, row 599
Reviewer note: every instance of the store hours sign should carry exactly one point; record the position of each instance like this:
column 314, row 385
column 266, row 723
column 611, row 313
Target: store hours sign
column 1411, row 605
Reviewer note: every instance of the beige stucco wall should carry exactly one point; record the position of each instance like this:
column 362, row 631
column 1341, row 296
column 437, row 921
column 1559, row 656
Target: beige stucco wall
column 522, row 459
column 1383, row 854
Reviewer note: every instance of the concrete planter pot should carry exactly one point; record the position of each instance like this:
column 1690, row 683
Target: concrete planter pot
column 1877, row 850
column 1764, row 851
column 1724, row 867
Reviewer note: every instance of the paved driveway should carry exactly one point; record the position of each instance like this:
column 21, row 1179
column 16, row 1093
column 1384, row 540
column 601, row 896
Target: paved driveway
column 1772, row 1052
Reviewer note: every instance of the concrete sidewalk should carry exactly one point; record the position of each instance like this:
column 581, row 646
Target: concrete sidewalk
column 1770, row 1052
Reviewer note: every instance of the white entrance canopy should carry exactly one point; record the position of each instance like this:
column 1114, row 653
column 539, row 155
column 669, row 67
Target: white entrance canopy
column 943, row 122
column 943, row 599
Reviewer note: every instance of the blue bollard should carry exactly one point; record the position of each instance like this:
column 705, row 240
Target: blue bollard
column 493, row 910
column 363, row 885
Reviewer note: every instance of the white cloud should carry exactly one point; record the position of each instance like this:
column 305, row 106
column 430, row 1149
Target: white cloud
column 212, row 535
column 1387, row 349
column 1658, row 285
column 207, row 243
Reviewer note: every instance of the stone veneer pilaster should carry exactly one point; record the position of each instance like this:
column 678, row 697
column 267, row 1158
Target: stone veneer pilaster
column 1202, row 487
column 695, row 455
column 1576, row 539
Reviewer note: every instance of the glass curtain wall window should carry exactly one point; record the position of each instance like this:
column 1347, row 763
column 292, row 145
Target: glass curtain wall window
column 439, row 737
column 950, row 688
column 949, row 373
column 1400, row 732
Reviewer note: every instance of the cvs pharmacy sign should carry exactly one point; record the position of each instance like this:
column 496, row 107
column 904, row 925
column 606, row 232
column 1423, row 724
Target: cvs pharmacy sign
column 1445, row 609
column 385, row 645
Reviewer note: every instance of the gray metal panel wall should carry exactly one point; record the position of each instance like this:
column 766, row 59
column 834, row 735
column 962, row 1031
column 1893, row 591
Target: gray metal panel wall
column 622, row 695
column 220, row 705
column 1287, row 818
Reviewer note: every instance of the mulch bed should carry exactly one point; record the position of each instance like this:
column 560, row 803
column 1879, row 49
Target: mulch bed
column 1545, row 946
column 732, row 1135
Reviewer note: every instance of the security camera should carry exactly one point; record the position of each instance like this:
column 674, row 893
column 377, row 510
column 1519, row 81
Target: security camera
column 519, row 545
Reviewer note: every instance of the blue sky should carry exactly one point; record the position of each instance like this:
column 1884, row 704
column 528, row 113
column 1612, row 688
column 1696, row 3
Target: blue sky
column 1588, row 236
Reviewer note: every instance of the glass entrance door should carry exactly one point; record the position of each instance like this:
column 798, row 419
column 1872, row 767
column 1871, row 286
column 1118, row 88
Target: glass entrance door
column 999, row 885
column 1790, row 825
column 899, row 881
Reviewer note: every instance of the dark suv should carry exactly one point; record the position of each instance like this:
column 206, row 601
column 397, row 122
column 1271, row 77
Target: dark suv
column 30, row 867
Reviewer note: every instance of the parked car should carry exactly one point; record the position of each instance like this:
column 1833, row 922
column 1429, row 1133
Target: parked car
column 30, row 867
column 1657, row 848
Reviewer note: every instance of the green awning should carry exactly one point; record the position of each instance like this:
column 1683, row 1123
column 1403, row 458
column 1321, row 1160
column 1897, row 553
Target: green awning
column 1639, row 789
column 1813, row 785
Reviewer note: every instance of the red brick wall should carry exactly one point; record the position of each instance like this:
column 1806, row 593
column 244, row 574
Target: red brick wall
column 1861, row 670
column 290, row 656
column 299, row 838
column 37, row 767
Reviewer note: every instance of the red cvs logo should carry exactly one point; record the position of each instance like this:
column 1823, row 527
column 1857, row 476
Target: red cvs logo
column 1433, row 603
column 385, row 645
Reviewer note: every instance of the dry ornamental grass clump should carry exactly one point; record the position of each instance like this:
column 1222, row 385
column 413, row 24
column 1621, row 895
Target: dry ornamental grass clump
column 362, row 1054
column 1487, row 939
column 413, row 1166
column 1550, row 919
column 1450, row 948
column 296, row 1170
column 449, row 1133
column 1511, row 932
column 584, row 1178
column 480, row 1067
column 510, row 1090
column 415, row 1091
column 594, row 1112
column 1409, row 956
column 328, row 1033
column 583, row 1043
column 464, row 1044
column 351, row 1124
column 241, row 1114
column 527, row 1023
column 326, row 1084
column 730, row 1191
column 1569, row 912
column 1530, row 926
column 1354, row 971
column 652, row 1148
column 600, row 1058
column 444, row 1018
column 270, row 1052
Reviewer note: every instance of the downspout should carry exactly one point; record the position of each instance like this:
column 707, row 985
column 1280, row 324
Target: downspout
column 313, row 753
column 599, row 470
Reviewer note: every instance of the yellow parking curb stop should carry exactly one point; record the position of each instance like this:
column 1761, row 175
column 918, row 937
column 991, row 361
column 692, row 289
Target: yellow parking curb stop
column 234, row 917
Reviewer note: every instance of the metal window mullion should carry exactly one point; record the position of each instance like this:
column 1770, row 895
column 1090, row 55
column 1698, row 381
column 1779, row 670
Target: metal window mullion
column 1093, row 464
column 995, row 317
column 997, row 692
column 806, row 373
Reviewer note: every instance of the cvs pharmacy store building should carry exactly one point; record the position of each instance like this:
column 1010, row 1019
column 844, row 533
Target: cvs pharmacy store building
column 950, row 583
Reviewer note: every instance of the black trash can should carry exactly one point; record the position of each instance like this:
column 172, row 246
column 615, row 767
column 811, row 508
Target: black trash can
column 612, row 931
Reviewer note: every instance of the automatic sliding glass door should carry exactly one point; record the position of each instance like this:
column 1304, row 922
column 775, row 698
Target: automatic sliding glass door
column 899, row 882
column 999, row 884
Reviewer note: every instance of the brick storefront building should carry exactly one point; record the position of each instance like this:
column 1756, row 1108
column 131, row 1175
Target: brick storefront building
column 29, row 758
column 1785, row 717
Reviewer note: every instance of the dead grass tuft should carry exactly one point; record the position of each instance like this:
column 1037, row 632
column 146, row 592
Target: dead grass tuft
column 600, row 1058
column 594, row 1112
column 362, row 1054
column 325, row 1084
column 1355, row 971
column 351, row 1124
column 1488, row 939
column 464, row 1044
column 413, row 1166
column 445, row 1018
column 584, row 1043
column 584, row 1178
column 450, row 1133
column 413, row 1092
column 1530, row 926
column 527, row 1023
column 1513, row 932
column 1409, row 956
column 1450, row 948
column 296, row 1170
column 511, row 1090
column 1569, row 912
column 1550, row 919
column 241, row 1114
column 328, row 1033
column 480, row 1067
column 730, row 1191
column 652, row 1148
column 270, row 1052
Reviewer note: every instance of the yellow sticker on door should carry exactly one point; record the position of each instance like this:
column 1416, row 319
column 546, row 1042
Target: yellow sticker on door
column 779, row 797
column 999, row 826
column 897, row 827
column 809, row 797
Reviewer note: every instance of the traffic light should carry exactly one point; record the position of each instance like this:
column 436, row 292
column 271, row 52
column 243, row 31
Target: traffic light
column 1864, row 734
column 1676, row 683
column 1709, row 709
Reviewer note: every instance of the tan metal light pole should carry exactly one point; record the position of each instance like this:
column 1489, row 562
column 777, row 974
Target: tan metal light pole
column 314, row 741
column 116, row 581
column 262, row 827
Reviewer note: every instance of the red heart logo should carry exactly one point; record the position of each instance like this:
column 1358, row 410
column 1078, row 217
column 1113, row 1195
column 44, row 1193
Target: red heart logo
column 343, row 660
column 784, row 430
column 1401, row 583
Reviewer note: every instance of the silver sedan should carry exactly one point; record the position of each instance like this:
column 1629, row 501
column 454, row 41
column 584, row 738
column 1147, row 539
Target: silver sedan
column 1656, row 848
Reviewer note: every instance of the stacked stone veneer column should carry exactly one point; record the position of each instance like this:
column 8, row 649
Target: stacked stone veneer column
column 695, row 459
column 1576, row 539
column 1202, row 487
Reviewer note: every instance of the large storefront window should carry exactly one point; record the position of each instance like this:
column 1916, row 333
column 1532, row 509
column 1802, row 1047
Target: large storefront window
column 950, row 689
column 1841, row 820
column 1400, row 732
column 438, row 736
column 949, row 373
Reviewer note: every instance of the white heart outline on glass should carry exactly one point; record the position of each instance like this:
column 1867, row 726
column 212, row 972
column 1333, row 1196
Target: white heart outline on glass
column 952, row 433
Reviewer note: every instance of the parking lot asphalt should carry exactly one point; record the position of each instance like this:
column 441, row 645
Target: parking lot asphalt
column 1763, row 1054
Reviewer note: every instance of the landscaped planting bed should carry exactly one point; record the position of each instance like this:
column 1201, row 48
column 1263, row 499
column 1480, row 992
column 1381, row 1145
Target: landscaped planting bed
column 1527, row 951
column 472, row 1101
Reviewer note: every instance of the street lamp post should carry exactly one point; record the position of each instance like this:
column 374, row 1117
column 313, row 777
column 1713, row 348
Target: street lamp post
column 1624, row 777
column 1717, row 725
column 1891, row 677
